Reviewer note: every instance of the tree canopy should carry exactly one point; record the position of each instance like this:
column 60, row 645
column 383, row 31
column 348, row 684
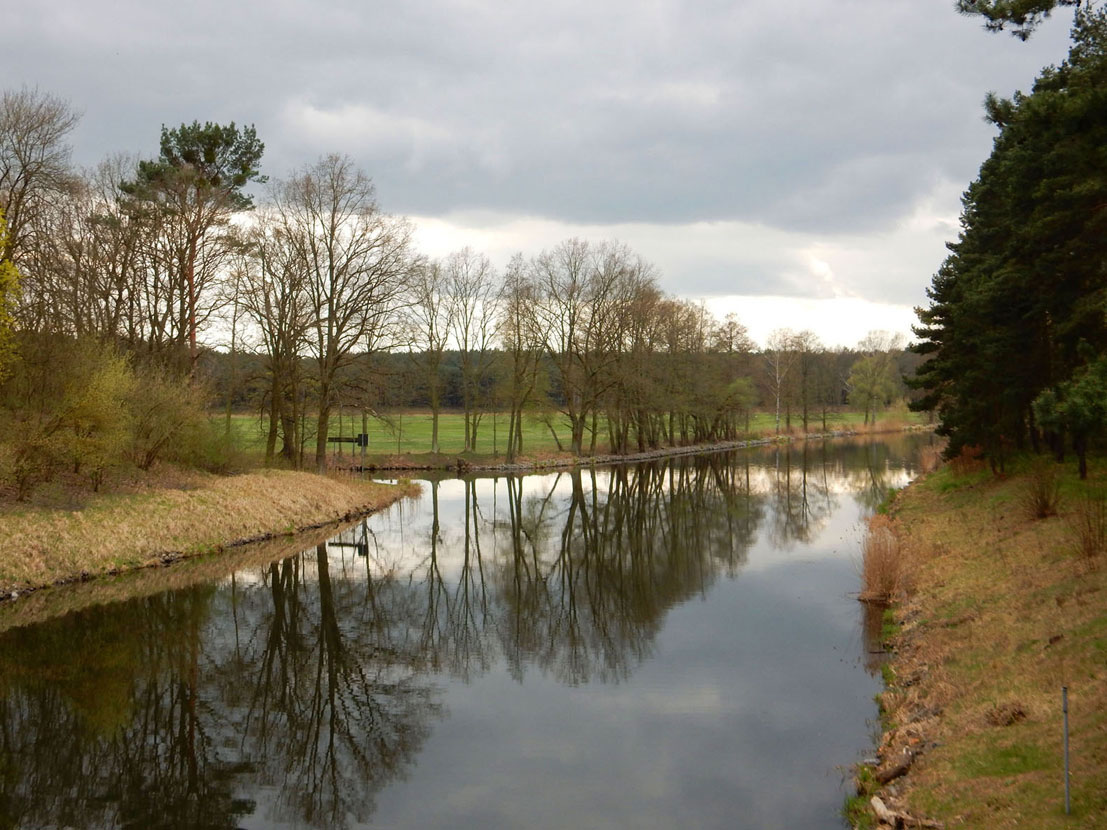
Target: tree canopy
column 1024, row 284
column 1021, row 16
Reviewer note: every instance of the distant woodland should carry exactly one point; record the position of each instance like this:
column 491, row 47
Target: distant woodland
column 144, row 295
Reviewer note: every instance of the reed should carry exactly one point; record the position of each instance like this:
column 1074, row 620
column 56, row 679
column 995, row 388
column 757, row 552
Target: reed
column 882, row 562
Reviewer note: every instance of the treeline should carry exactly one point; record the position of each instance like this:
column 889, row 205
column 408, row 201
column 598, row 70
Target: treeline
column 132, row 292
column 1016, row 332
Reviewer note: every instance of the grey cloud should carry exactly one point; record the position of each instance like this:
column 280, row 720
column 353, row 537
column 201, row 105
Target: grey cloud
column 831, row 117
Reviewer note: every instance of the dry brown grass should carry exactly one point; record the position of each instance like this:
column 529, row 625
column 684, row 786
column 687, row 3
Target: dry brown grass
column 200, row 513
column 969, row 460
column 883, row 564
column 1088, row 527
column 38, row 606
column 930, row 458
column 1003, row 613
column 1041, row 495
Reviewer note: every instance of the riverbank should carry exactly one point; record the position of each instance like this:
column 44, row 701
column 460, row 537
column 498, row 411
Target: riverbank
column 199, row 513
column 467, row 462
column 1003, row 609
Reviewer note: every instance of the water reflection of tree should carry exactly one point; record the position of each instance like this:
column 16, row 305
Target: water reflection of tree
column 585, row 585
column 337, row 708
column 310, row 681
column 800, row 494
column 869, row 468
column 135, row 750
column 308, row 689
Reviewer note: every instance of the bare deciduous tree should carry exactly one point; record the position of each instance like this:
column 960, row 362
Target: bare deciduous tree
column 474, row 298
column 779, row 357
column 357, row 262
column 432, row 321
column 34, row 162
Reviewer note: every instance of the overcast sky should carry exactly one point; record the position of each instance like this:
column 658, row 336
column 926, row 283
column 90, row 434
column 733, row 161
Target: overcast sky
column 799, row 164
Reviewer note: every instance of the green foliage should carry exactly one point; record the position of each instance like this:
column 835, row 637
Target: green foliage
column 93, row 424
column 889, row 629
column 1021, row 16
column 204, row 443
column 1077, row 406
column 210, row 160
column 872, row 383
column 165, row 412
column 856, row 809
column 9, row 292
column 31, row 459
column 1024, row 284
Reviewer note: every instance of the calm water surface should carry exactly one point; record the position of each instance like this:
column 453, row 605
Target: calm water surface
column 653, row 646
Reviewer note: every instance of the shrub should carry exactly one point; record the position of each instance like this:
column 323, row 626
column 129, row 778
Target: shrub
column 968, row 460
column 93, row 421
column 204, row 444
column 164, row 412
column 32, row 460
column 1042, row 494
column 1088, row 528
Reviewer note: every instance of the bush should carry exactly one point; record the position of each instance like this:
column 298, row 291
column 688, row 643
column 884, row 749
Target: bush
column 93, row 424
column 165, row 413
column 32, row 459
column 1088, row 528
column 204, row 444
column 1042, row 495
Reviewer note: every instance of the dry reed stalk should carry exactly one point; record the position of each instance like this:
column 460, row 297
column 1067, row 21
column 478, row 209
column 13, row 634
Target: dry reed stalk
column 882, row 562
column 930, row 459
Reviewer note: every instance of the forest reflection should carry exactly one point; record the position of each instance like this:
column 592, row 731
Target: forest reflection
column 295, row 693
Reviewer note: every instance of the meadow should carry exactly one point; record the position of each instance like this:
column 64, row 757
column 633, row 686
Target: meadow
column 409, row 433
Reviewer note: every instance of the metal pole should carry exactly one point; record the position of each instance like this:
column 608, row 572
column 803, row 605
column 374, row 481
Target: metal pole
column 1065, row 711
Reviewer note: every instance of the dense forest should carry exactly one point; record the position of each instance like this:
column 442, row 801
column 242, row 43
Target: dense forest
column 1016, row 333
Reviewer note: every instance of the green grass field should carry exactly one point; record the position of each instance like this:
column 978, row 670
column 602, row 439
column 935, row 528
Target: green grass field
column 411, row 432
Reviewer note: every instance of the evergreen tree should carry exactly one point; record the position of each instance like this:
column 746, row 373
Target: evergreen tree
column 1025, row 282
column 195, row 183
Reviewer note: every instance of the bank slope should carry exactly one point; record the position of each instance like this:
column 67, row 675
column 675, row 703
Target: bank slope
column 125, row 531
column 1005, row 610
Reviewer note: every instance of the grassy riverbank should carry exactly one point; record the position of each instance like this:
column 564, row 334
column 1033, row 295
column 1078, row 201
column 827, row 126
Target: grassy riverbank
column 186, row 514
column 1003, row 607
column 404, row 439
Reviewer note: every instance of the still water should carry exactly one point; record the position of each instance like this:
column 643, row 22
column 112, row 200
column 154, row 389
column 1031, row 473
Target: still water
column 673, row 644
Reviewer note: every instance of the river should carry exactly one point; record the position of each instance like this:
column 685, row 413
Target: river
column 671, row 644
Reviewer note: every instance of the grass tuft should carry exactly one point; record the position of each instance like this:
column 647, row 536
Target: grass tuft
column 1088, row 526
column 1042, row 494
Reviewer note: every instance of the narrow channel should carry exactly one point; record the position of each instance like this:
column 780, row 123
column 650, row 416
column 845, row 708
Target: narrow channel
column 671, row 644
